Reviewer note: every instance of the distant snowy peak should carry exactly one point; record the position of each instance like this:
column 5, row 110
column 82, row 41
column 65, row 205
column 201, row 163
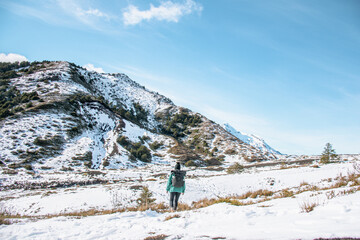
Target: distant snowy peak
column 250, row 139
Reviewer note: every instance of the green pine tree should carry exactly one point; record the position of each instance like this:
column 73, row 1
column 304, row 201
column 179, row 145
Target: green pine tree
column 328, row 154
column 145, row 199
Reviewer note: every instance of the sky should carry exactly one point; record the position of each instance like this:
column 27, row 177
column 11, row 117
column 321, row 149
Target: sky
column 285, row 70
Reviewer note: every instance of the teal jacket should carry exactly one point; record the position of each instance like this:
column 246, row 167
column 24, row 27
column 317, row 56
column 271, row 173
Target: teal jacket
column 171, row 188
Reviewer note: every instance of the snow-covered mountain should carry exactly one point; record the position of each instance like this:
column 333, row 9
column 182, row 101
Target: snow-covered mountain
column 251, row 139
column 56, row 115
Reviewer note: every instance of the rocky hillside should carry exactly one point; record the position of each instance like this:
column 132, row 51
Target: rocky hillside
column 59, row 116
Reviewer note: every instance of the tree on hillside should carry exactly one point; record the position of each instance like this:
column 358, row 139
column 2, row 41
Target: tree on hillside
column 328, row 154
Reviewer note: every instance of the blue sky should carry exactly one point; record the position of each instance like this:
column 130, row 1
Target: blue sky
column 287, row 71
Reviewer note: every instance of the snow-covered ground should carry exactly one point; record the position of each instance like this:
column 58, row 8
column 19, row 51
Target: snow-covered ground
column 279, row 220
column 336, row 212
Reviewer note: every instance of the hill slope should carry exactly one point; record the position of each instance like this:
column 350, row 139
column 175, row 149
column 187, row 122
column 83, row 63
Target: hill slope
column 56, row 115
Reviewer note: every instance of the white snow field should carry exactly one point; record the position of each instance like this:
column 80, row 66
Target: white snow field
column 336, row 212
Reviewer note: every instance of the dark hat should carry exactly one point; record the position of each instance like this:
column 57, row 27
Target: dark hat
column 177, row 166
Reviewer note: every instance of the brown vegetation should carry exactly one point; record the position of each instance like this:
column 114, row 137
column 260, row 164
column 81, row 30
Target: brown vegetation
column 157, row 237
column 171, row 217
column 308, row 207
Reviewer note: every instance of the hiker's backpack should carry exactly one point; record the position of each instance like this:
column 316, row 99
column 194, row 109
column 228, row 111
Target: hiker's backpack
column 178, row 178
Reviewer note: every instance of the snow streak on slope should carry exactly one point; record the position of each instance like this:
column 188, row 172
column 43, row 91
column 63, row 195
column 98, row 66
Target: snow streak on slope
column 120, row 90
column 251, row 139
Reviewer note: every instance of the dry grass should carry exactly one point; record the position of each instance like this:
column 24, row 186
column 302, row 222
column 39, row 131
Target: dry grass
column 330, row 195
column 157, row 237
column 354, row 179
column 261, row 193
column 171, row 217
column 80, row 214
column 183, row 207
column 303, row 183
column 312, row 188
column 308, row 206
column 4, row 221
column 265, row 206
column 340, row 182
column 6, row 215
column 285, row 193
column 351, row 179
column 342, row 238
column 203, row 203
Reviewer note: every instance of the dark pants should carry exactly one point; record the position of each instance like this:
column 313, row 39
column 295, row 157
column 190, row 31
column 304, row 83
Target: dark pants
column 174, row 199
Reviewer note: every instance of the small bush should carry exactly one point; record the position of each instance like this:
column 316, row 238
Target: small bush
column 4, row 221
column 106, row 163
column 83, row 157
column 155, row 145
column 192, row 163
column 213, row 162
column 66, row 169
column 123, row 141
column 29, row 105
column 53, row 141
column 18, row 109
column 145, row 138
column 137, row 150
column 28, row 167
column 235, row 168
column 88, row 164
column 230, row 152
column 74, row 131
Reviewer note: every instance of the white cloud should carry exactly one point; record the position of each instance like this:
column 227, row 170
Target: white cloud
column 92, row 17
column 91, row 67
column 93, row 12
column 12, row 57
column 168, row 11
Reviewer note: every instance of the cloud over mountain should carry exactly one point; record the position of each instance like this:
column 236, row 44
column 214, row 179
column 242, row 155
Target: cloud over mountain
column 12, row 57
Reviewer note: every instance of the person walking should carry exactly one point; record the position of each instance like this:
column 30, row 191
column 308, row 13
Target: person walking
column 176, row 185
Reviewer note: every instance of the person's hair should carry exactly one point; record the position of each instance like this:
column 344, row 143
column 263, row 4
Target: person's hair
column 177, row 166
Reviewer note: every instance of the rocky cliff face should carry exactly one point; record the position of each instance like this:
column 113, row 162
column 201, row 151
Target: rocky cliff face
column 59, row 116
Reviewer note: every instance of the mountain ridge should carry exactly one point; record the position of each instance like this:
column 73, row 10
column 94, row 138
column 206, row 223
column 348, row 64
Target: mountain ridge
column 251, row 139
